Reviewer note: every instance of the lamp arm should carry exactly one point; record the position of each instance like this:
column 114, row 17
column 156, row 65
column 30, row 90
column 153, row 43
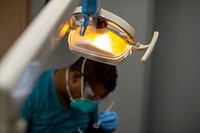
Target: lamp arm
column 149, row 48
column 89, row 8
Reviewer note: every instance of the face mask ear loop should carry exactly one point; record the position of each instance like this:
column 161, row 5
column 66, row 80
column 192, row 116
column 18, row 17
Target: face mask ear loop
column 67, row 85
column 82, row 76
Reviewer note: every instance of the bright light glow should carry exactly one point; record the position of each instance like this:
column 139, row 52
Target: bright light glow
column 99, row 42
column 103, row 42
column 63, row 30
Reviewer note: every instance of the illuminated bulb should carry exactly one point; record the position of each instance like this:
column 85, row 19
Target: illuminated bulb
column 63, row 30
column 103, row 42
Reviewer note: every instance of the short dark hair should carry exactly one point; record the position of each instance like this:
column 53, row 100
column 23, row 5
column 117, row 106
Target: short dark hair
column 96, row 72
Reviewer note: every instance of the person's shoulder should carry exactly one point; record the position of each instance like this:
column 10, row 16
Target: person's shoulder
column 46, row 74
column 45, row 77
column 41, row 85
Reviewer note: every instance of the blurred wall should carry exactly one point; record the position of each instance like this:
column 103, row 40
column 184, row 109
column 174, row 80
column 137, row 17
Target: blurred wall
column 37, row 5
column 174, row 98
column 14, row 17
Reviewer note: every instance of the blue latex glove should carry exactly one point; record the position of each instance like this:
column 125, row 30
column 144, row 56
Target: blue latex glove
column 109, row 121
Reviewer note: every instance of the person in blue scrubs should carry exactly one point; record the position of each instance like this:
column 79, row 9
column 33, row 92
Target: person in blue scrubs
column 66, row 100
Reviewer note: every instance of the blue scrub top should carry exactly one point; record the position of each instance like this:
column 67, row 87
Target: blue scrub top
column 45, row 114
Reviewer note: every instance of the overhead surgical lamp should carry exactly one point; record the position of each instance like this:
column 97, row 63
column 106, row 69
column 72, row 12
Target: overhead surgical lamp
column 103, row 36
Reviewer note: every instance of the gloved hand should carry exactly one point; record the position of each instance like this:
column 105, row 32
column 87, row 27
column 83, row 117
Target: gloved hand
column 109, row 121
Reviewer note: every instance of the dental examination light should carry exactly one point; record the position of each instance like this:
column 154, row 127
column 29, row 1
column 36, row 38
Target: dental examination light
column 100, row 35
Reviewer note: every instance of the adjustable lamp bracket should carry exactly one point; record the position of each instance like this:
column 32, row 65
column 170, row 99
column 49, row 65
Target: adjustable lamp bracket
column 89, row 8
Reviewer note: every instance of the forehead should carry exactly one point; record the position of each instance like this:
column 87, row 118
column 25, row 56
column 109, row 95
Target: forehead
column 99, row 90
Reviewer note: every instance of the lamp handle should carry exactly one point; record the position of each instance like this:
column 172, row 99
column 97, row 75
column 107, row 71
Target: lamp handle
column 150, row 47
